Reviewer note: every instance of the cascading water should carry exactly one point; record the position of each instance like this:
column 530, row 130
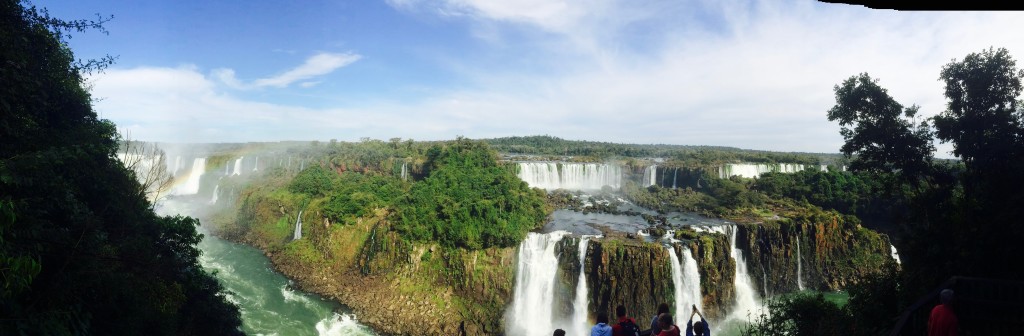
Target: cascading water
column 213, row 200
column 895, row 255
column 746, row 299
column 191, row 186
column 675, row 174
column 257, row 166
column 226, row 171
column 580, row 306
column 531, row 311
column 177, row 164
column 799, row 268
column 405, row 172
column 238, row 166
column 651, row 176
column 298, row 227
column 754, row 170
column 573, row 176
column 686, row 281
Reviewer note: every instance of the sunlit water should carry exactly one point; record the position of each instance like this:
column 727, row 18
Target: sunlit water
column 268, row 302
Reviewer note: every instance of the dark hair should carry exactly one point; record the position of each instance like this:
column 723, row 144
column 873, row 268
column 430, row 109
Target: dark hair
column 620, row 311
column 663, row 308
column 602, row 317
column 700, row 328
column 665, row 318
column 559, row 332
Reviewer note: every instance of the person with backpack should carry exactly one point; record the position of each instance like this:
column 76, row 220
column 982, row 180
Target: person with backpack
column 626, row 326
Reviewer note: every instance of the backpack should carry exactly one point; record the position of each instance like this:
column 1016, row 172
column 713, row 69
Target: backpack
column 630, row 328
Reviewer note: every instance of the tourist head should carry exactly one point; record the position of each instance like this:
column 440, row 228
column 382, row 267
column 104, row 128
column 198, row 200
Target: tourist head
column 700, row 328
column 620, row 311
column 559, row 332
column 602, row 317
column 663, row 308
column 665, row 321
column 946, row 296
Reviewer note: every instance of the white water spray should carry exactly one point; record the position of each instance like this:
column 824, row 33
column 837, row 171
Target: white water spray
column 213, row 200
column 746, row 298
column 191, row 186
column 573, row 176
column 531, row 311
column 257, row 166
column 651, row 176
column 895, row 255
column 238, row 166
column 799, row 267
column 581, row 305
column 686, row 281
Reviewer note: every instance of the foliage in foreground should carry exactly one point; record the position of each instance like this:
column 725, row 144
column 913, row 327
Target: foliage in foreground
column 81, row 251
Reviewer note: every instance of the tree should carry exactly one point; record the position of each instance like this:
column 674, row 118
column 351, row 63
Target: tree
column 149, row 164
column 982, row 117
column 81, row 250
column 878, row 130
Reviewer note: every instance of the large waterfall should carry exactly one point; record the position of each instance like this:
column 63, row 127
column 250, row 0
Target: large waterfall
column 799, row 267
column 580, row 306
column 573, row 176
column 531, row 311
column 651, row 176
column 191, row 186
column 238, row 166
column 754, row 170
column 686, row 282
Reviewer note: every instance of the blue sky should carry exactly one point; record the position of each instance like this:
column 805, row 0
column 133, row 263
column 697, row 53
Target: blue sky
column 749, row 74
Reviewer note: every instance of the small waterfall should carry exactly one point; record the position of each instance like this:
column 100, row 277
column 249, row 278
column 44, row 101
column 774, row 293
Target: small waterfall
column 895, row 255
column 298, row 227
column 754, row 170
column 799, row 267
column 214, row 199
column 531, row 311
column 238, row 166
column 257, row 166
column 405, row 172
column 177, row 164
column 226, row 171
column 686, row 281
column 675, row 174
column 191, row 186
column 572, row 176
column 581, row 305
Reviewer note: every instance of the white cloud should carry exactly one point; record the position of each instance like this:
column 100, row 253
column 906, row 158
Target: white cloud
column 317, row 65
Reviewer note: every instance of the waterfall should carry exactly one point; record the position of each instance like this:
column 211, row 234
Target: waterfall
column 581, row 304
column 226, row 171
column 531, row 311
column 686, row 282
column 746, row 299
column 573, row 176
column 754, row 170
column 257, row 166
column 302, row 165
column 238, row 166
column 177, row 164
column 214, row 199
column 191, row 186
column 895, row 255
column 651, row 176
column 298, row 227
column 799, row 268
column 675, row 173
column 405, row 171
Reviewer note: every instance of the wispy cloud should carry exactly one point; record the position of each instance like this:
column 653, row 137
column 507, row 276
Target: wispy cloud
column 317, row 65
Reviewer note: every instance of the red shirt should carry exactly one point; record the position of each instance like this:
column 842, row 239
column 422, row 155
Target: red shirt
column 618, row 330
column 942, row 322
column 672, row 331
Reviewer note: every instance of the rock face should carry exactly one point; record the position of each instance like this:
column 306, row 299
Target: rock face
column 834, row 250
column 717, row 271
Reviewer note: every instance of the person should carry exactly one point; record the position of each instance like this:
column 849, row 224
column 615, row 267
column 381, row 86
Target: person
column 625, row 326
column 942, row 321
column 601, row 328
column 655, row 327
column 559, row 332
column 666, row 326
column 697, row 329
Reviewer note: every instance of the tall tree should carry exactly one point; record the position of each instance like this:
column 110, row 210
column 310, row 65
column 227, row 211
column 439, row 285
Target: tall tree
column 878, row 130
column 81, row 251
